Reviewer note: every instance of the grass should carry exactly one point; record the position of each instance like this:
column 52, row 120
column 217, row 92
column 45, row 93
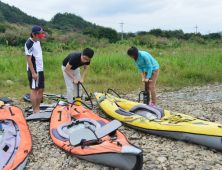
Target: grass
column 191, row 66
column 111, row 68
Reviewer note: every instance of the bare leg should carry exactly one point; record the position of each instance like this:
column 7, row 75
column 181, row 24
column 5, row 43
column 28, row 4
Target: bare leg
column 152, row 83
column 33, row 97
column 39, row 97
column 36, row 97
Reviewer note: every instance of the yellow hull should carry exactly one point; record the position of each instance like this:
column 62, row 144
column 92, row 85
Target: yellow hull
column 175, row 125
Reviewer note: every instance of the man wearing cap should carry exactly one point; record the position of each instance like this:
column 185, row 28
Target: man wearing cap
column 34, row 57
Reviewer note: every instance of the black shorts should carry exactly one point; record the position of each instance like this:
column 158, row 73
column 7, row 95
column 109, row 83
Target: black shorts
column 36, row 84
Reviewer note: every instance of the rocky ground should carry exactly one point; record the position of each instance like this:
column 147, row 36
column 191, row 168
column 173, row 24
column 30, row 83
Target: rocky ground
column 203, row 102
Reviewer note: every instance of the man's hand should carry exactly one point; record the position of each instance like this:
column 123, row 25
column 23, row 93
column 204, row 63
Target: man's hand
column 81, row 80
column 34, row 76
column 76, row 81
column 143, row 79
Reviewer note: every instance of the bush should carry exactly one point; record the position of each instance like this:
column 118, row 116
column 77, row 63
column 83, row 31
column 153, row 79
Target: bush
column 3, row 27
column 216, row 43
column 147, row 40
column 125, row 42
column 15, row 37
column 197, row 40
column 151, row 41
column 175, row 43
column 54, row 41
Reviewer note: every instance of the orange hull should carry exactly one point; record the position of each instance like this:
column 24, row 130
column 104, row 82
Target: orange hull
column 15, row 113
column 61, row 114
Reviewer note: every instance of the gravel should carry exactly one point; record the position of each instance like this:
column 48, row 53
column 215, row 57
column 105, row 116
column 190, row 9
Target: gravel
column 204, row 102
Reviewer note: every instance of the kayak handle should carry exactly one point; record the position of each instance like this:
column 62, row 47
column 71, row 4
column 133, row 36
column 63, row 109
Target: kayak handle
column 113, row 92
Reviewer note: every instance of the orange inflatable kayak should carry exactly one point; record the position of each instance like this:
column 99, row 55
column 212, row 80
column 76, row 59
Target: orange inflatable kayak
column 84, row 134
column 15, row 138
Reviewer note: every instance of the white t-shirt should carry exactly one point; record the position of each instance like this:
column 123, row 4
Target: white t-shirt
column 34, row 49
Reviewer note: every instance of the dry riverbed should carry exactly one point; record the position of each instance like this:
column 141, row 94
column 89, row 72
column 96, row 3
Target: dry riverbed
column 204, row 102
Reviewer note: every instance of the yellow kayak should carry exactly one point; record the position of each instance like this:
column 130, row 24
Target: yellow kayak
column 161, row 122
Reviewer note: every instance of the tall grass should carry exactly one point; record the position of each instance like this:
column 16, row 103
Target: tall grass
column 112, row 68
column 190, row 66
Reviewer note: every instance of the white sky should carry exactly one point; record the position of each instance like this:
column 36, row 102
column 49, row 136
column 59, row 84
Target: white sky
column 139, row 15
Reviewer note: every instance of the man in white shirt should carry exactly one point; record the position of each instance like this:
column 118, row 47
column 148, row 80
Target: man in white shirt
column 34, row 57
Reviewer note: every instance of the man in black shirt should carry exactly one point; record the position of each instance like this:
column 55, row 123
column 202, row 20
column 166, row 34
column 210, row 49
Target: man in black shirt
column 71, row 73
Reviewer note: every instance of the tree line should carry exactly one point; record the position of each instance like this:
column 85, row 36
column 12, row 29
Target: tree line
column 179, row 34
column 65, row 22
column 68, row 22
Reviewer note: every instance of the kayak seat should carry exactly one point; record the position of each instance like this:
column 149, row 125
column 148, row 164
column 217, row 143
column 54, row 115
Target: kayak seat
column 84, row 130
column 88, row 135
column 63, row 131
column 146, row 111
column 66, row 129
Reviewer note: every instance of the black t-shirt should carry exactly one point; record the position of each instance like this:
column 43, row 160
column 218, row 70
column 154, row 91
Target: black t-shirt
column 74, row 60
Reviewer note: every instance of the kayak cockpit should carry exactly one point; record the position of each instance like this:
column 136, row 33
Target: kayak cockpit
column 85, row 131
column 143, row 110
column 9, row 141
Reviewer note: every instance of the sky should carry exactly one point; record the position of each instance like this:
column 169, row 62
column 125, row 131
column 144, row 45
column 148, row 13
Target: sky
column 139, row 15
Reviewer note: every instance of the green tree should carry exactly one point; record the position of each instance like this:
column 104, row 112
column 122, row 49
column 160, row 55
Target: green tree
column 2, row 17
column 68, row 21
column 178, row 34
column 108, row 33
column 15, row 15
column 215, row 36
column 141, row 33
column 187, row 36
column 130, row 35
column 90, row 31
column 156, row 32
column 47, row 29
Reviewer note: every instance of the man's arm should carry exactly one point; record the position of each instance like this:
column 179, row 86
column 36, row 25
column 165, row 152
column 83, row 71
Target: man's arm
column 67, row 70
column 29, row 61
column 84, row 73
